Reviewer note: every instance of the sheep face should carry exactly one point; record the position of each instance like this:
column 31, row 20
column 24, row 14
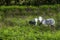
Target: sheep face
column 40, row 19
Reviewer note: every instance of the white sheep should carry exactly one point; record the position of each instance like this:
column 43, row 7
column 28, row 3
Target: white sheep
column 50, row 22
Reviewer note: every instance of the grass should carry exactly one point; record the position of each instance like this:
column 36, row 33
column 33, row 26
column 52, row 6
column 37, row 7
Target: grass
column 23, row 31
column 14, row 22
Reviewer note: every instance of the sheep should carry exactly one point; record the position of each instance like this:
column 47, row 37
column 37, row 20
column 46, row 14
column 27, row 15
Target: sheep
column 50, row 22
column 33, row 22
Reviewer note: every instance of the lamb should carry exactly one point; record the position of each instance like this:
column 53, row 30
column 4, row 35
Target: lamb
column 33, row 22
column 49, row 22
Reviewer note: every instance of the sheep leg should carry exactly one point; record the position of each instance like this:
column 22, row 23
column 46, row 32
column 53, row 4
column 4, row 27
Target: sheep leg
column 52, row 28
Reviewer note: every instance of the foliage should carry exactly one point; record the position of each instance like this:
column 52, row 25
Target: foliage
column 29, row 2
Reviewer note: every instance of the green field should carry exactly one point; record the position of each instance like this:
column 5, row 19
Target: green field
column 14, row 23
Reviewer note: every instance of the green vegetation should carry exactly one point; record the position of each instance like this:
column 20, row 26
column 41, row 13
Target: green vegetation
column 14, row 22
column 29, row 2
